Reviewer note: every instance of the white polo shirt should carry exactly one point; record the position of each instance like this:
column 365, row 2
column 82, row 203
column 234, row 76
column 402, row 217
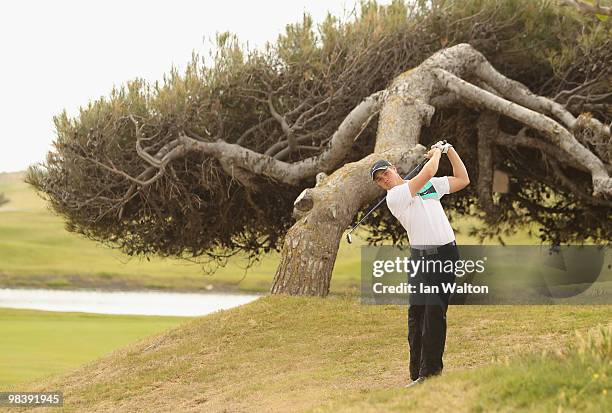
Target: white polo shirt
column 422, row 215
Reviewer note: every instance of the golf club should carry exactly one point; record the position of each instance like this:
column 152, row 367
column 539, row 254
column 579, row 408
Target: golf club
column 410, row 174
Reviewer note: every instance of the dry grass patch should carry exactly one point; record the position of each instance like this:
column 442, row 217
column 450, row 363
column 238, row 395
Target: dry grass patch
column 297, row 353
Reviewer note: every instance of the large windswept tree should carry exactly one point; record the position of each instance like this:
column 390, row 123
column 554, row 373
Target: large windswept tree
column 270, row 149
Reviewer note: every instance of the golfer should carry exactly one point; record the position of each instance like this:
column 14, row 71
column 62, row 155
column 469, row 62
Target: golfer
column 416, row 204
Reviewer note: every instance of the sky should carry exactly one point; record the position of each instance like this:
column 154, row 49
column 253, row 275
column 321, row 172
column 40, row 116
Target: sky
column 60, row 54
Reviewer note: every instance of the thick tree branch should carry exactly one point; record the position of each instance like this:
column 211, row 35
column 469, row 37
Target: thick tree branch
column 521, row 139
column 518, row 93
column 602, row 183
column 254, row 162
column 292, row 173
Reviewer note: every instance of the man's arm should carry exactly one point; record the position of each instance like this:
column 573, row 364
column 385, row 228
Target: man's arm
column 429, row 171
column 460, row 178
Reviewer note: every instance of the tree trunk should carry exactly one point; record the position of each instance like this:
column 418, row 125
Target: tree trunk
column 311, row 245
column 308, row 258
column 325, row 211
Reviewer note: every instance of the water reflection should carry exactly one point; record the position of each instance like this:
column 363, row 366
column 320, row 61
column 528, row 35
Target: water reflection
column 122, row 302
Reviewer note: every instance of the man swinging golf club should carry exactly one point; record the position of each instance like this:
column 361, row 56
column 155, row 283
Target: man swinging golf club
column 416, row 204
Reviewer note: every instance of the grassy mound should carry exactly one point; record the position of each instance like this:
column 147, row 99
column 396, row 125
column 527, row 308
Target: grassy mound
column 284, row 353
column 573, row 378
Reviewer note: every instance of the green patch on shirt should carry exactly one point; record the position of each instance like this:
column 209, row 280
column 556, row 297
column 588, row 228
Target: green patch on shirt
column 428, row 191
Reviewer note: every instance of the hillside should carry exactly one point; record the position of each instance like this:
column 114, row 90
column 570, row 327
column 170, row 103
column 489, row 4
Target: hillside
column 308, row 354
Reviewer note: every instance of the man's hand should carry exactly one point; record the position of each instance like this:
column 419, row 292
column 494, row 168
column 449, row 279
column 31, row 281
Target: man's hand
column 430, row 152
column 438, row 144
column 460, row 178
column 443, row 145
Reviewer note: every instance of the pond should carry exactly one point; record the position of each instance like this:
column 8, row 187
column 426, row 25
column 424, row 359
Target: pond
column 122, row 302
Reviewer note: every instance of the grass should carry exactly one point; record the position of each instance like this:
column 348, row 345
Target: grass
column 36, row 251
column 278, row 353
column 283, row 353
column 574, row 377
column 36, row 344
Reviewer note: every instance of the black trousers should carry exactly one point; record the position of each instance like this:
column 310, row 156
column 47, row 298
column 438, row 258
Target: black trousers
column 427, row 314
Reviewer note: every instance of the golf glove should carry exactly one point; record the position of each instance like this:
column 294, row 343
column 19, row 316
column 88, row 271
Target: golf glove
column 444, row 146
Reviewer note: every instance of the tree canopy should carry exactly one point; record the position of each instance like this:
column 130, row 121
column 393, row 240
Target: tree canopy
column 118, row 175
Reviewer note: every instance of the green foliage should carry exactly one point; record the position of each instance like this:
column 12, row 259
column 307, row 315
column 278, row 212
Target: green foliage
column 37, row 344
column 574, row 378
column 313, row 75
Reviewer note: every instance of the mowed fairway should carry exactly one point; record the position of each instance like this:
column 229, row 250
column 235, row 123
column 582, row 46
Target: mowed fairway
column 34, row 344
